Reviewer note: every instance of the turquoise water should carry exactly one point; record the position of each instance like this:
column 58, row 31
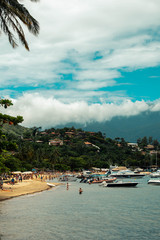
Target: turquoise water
column 98, row 214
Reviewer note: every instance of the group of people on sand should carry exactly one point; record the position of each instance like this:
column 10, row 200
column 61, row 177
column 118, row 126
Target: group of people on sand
column 10, row 180
column 80, row 189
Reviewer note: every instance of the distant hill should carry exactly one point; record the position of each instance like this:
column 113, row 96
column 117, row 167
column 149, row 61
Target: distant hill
column 130, row 128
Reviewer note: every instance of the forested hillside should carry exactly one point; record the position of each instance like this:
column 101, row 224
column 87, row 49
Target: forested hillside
column 72, row 149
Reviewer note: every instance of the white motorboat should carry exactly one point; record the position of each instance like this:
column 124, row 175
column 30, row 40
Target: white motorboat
column 126, row 174
column 51, row 184
column 155, row 174
column 154, row 181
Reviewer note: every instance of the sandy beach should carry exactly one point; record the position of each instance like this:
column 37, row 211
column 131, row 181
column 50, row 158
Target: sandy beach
column 23, row 188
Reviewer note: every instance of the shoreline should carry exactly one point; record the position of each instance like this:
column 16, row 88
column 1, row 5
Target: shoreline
column 23, row 188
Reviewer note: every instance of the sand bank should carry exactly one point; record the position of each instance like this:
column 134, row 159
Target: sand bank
column 23, row 188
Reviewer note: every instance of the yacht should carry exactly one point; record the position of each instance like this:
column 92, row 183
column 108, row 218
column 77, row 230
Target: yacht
column 154, row 181
column 155, row 174
column 126, row 174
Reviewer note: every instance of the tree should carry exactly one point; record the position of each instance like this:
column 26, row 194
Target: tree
column 150, row 140
column 12, row 13
column 35, row 130
column 156, row 143
column 142, row 143
column 7, row 145
column 7, row 118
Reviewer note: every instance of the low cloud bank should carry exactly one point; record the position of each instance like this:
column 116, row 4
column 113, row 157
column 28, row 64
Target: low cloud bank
column 48, row 112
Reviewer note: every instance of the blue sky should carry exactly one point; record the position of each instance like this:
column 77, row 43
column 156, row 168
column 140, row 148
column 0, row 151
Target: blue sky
column 93, row 60
column 142, row 84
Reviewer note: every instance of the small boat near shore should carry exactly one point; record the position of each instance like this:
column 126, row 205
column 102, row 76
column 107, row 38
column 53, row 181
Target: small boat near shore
column 154, row 181
column 121, row 184
column 107, row 180
column 51, row 185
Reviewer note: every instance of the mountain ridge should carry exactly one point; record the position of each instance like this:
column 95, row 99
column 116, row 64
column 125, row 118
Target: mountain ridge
column 130, row 128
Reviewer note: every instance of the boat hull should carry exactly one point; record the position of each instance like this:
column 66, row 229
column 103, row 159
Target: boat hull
column 154, row 182
column 122, row 184
column 155, row 175
column 127, row 175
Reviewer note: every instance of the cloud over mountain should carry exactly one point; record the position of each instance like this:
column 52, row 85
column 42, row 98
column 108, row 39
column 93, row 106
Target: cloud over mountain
column 38, row 110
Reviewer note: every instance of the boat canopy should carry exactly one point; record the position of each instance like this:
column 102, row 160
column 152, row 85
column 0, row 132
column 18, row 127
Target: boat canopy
column 17, row 172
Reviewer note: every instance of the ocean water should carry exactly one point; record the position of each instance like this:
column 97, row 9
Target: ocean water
column 99, row 213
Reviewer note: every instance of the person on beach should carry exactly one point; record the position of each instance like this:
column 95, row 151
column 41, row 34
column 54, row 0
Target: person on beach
column 80, row 191
column 1, row 183
column 12, row 181
column 20, row 178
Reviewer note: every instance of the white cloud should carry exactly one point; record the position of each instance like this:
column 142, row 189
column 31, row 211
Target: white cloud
column 156, row 106
column 38, row 110
column 118, row 29
column 121, row 32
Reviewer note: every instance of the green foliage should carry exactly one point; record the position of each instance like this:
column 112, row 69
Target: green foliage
column 7, row 147
column 12, row 163
column 3, row 167
column 12, row 14
column 34, row 151
column 5, row 103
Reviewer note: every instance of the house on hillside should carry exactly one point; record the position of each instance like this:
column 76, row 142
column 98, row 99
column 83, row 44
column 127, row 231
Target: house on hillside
column 70, row 134
column 39, row 141
column 55, row 142
column 88, row 144
column 43, row 133
column 134, row 146
column 149, row 147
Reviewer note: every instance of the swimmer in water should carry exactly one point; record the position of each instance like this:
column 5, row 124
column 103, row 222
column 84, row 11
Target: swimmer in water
column 80, row 191
column 67, row 186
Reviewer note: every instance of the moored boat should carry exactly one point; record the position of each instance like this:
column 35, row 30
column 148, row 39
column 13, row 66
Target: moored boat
column 126, row 174
column 121, row 184
column 67, row 178
column 154, row 181
column 155, row 174
column 51, row 184
column 107, row 180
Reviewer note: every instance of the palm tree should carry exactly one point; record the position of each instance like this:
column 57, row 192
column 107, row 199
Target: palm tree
column 12, row 13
